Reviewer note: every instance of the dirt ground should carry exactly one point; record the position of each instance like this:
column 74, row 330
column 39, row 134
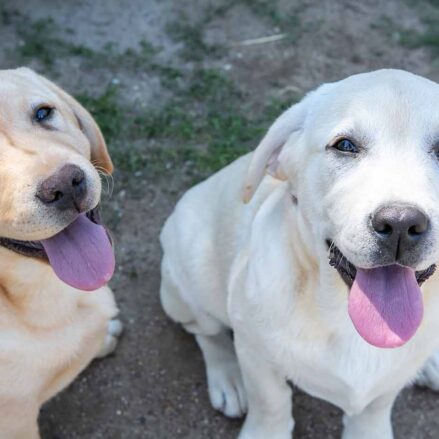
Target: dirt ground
column 180, row 88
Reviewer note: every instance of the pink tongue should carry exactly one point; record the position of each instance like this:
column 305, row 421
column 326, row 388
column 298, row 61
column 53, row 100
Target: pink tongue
column 385, row 305
column 81, row 255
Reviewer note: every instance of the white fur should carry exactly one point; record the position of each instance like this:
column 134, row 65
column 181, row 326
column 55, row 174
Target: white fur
column 261, row 269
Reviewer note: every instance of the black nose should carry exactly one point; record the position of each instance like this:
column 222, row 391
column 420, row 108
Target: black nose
column 66, row 189
column 400, row 226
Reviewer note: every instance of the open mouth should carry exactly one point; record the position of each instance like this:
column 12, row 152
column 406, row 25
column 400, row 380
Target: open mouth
column 348, row 271
column 81, row 254
column 385, row 303
column 35, row 249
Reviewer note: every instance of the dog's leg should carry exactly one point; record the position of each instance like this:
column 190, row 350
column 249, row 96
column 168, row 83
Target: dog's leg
column 19, row 421
column 29, row 432
column 226, row 390
column 114, row 330
column 170, row 298
column 224, row 380
column 373, row 422
column 428, row 376
column 269, row 398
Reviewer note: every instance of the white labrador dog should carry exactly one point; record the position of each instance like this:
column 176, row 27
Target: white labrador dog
column 318, row 274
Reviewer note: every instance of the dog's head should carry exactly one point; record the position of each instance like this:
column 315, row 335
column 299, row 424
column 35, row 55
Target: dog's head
column 50, row 153
column 361, row 156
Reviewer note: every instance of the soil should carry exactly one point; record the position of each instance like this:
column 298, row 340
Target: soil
column 154, row 385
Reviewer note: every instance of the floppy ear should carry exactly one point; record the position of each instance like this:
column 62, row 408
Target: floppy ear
column 265, row 156
column 100, row 157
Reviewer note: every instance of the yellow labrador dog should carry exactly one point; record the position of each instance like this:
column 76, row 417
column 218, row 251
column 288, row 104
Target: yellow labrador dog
column 51, row 248
column 326, row 274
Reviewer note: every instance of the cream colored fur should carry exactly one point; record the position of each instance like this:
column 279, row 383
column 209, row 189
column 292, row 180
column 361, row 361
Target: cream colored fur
column 49, row 332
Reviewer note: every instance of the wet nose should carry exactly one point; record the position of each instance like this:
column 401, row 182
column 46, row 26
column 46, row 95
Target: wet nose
column 400, row 226
column 65, row 189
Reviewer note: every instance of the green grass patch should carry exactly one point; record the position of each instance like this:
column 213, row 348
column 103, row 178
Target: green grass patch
column 108, row 113
column 429, row 39
column 133, row 59
column 7, row 16
column 191, row 36
column 195, row 48
column 203, row 128
column 42, row 42
column 269, row 10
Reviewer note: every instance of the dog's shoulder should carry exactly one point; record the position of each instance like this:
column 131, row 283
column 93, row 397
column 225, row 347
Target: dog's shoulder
column 214, row 208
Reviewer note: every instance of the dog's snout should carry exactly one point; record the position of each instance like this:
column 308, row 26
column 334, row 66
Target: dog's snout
column 400, row 226
column 65, row 189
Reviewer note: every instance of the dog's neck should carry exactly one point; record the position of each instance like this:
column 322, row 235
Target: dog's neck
column 32, row 289
column 321, row 283
column 301, row 236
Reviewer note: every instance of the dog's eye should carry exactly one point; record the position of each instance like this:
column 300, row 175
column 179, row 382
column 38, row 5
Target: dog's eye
column 43, row 113
column 345, row 145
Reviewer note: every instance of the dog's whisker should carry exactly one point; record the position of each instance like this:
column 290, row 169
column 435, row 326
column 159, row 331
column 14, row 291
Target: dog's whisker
column 331, row 246
column 106, row 175
column 104, row 179
column 109, row 180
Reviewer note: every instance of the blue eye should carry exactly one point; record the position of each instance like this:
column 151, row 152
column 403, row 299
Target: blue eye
column 345, row 145
column 43, row 113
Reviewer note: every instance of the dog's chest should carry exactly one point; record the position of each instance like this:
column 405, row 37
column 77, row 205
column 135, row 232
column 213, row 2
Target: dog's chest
column 347, row 372
column 38, row 359
column 347, row 384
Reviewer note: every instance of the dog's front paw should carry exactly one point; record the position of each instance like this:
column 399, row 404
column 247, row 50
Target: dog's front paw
column 428, row 376
column 114, row 330
column 226, row 389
